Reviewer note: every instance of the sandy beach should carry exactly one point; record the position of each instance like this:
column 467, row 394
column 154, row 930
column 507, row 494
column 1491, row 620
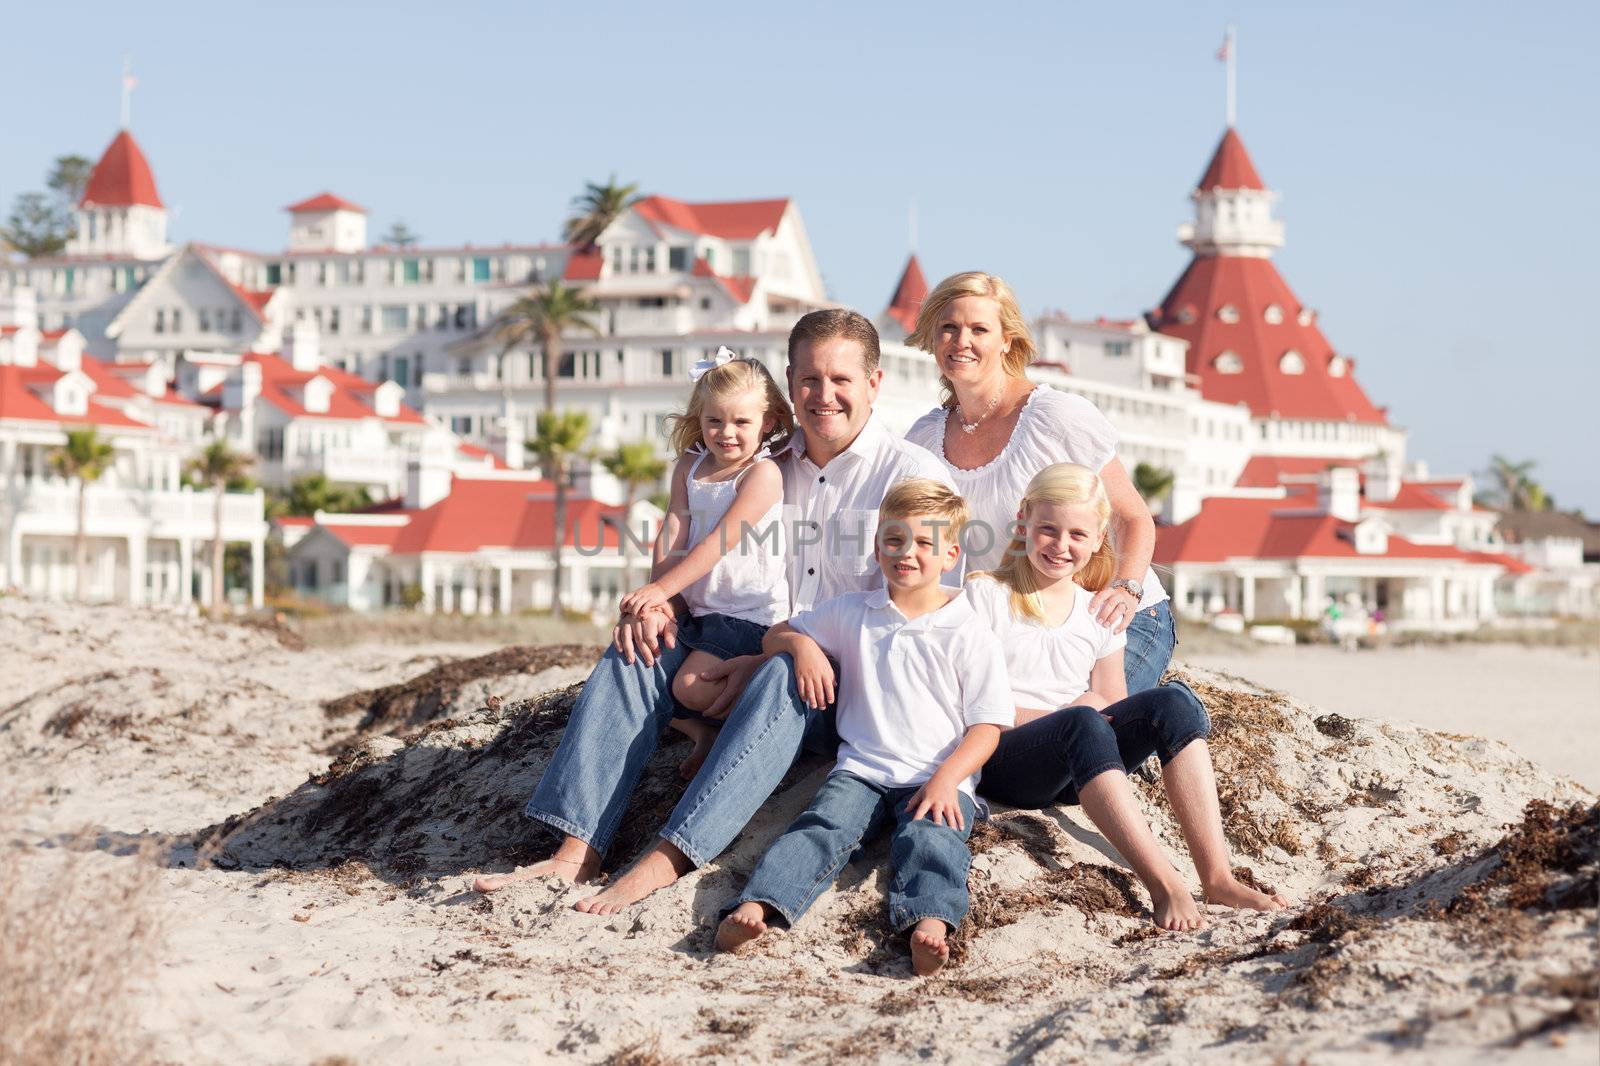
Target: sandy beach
column 316, row 818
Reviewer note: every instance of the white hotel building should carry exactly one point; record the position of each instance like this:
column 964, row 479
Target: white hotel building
column 371, row 364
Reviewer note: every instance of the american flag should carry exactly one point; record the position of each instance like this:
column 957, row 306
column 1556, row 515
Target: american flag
column 1225, row 50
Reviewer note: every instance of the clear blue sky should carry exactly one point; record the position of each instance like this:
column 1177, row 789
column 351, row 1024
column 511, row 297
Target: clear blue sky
column 1437, row 182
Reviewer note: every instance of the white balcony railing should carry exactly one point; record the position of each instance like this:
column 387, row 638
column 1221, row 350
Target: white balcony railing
column 112, row 510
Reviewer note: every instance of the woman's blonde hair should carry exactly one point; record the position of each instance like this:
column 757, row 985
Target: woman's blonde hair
column 731, row 379
column 1013, row 327
column 1063, row 483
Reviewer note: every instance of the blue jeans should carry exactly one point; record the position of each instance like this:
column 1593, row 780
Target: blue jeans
column 929, row 861
column 1151, row 639
column 761, row 738
column 1047, row 760
column 616, row 725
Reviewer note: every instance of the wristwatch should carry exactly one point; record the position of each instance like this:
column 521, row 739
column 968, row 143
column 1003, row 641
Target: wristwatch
column 1133, row 587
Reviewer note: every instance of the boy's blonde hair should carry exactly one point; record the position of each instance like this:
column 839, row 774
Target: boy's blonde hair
column 731, row 379
column 1013, row 326
column 1064, row 483
column 925, row 498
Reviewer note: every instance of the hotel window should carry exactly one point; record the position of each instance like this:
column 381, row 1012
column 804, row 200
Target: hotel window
column 410, row 271
column 677, row 258
column 1117, row 347
column 394, row 318
column 1228, row 313
column 464, row 367
column 204, row 317
column 1273, row 314
column 274, row 274
column 366, row 319
column 666, row 362
column 444, row 317
column 177, row 320
column 402, row 369
column 566, row 365
column 741, row 262
column 463, row 317
column 333, row 320
column 421, row 319
column 161, row 320
column 480, row 268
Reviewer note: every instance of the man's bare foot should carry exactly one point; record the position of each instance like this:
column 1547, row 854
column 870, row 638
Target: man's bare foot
column 929, row 950
column 661, row 865
column 574, row 862
column 1231, row 892
column 744, row 924
column 1175, row 909
column 703, row 740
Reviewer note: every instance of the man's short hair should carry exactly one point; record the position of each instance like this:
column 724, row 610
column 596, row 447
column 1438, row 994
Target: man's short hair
column 833, row 322
column 924, row 497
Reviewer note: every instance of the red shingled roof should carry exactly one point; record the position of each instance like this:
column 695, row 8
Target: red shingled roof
column 740, row 288
column 1228, row 528
column 351, row 398
column 731, row 220
column 1230, row 167
column 352, row 534
column 1268, row 471
column 325, row 202
column 1413, row 497
column 583, row 266
column 1250, row 285
column 122, row 177
column 908, row 295
column 517, row 514
column 18, row 401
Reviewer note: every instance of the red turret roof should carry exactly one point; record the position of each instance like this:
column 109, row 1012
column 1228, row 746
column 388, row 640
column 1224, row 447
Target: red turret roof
column 325, row 202
column 1230, row 167
column 732, row 220
column 517, row 514
column 1250, row 285
column 908, row 295
column 122, row 177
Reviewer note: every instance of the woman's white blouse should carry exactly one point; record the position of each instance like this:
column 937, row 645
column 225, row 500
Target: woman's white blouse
column 1053, row 427
column 1049, row 666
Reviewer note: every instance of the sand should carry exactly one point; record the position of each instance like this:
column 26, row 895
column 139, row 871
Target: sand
column 315, row 881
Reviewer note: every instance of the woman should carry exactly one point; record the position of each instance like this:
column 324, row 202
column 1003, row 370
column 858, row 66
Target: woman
column 995, row 429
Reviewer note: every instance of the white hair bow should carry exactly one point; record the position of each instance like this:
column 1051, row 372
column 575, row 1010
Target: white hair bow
column 706, row 366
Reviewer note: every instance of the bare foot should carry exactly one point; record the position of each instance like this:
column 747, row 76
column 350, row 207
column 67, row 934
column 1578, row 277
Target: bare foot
column 744, row 924
column 661, row 865
column 929, row 951
column 1233, row 893
column 575, row 871
column 703, row 738
column 1175, row 909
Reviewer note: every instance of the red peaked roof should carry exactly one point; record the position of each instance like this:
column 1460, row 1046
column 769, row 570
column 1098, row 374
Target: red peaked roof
column 1268, row 471
column 740, row 288
column 353, row 534
column 324, row 202
column 351, row 398
column 1228, row 528
column 122, row 177
column 583, row 266
column 1230, row 167
column 1250, row 285
column 908, row 295
column 518, row 514
column 732, row 219
column 18, row 401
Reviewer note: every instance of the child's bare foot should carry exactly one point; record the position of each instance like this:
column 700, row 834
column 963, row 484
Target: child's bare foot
column 746, row 922
column 1175, row 909
column 929, row 951
column 574, row 862
column 703, row 736
column 660, row 867
column 1230, row 892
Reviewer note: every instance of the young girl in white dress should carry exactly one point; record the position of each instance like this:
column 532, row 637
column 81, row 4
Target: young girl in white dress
column 726, row 494
column 1078, row 733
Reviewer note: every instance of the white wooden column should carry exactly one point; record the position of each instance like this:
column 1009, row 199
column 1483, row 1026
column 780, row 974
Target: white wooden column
column 505, row 590
column 1247, row 597
column 138, row 553
column 258, row 572
column 185, row 571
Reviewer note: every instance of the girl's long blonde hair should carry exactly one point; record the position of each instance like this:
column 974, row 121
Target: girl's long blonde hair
column 1013, row 327
column 731, row 379
column 1062, row 483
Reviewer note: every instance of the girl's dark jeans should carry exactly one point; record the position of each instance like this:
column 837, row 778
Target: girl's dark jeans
column 1049, row 759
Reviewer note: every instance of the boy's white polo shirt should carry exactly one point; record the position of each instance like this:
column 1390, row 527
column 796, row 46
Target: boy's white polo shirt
column 908, row 690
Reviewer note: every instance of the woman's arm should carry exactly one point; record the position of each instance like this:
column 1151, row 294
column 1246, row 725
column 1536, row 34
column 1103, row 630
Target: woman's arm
column 760, row 488
column 1134, row 533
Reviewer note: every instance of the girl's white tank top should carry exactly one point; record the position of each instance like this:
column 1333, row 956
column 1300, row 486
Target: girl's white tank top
column 751, row 580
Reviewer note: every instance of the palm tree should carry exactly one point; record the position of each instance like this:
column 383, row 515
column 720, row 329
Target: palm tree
column 84, row 457
column 310, row 493
column 597, row 208
column 1153, row 482
column 214, row 467
column 542, row 318
column 560, row 439
column 1514, row 485
column 634, row 465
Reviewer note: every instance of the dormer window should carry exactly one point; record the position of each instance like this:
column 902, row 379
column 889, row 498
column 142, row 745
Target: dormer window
column 1338, row 366
column 1307, row 316
column 1186, row 314
column 1228, row 313
column 1292, row 363
column 1273, row 314
column 1228, row 363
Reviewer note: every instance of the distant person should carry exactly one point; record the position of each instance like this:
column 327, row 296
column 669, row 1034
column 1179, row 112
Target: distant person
column 1079, row 733
column 922, row 697
column 836, row 469
column 995, row 429
column 713, row 549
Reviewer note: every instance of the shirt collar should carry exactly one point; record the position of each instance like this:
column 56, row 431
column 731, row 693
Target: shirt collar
column 952, row 615
column 866, row 443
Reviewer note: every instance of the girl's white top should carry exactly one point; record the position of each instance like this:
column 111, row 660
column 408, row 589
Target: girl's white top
column 1054, row 427
column 750, row 581
column 1049, row 666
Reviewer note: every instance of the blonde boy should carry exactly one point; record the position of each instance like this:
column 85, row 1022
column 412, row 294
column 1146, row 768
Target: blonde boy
column 922, row 698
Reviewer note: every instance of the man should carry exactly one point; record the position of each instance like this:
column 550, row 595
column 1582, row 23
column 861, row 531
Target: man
column 836, row 471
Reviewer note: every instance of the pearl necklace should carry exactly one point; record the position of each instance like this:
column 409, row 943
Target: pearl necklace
column 972, row 427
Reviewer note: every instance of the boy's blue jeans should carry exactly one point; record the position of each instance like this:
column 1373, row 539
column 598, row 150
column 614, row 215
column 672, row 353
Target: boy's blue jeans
column 929, row 861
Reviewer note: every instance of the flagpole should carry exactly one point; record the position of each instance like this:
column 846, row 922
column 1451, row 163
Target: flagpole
column 1233, row 85
column 911, row 224
column 127, row 90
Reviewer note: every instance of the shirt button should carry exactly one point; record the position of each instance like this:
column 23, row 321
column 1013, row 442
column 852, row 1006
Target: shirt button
column 811, row 570
column 821, row 479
